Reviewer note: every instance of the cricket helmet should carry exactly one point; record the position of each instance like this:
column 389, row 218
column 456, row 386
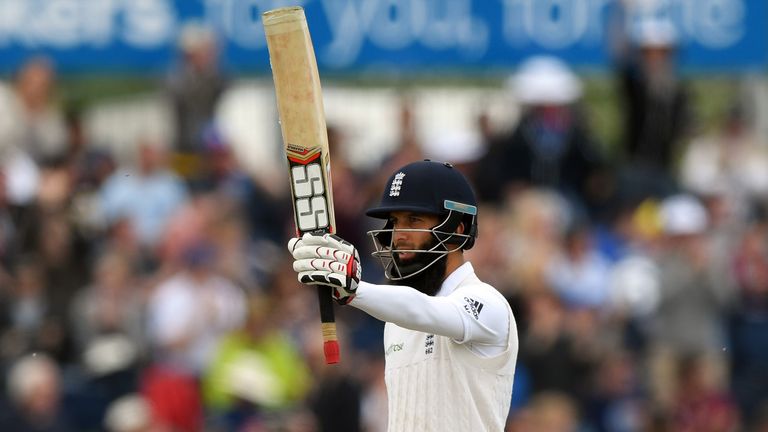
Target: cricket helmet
column 429, row 187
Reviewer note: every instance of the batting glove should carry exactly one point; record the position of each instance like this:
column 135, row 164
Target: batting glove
column 327, row 260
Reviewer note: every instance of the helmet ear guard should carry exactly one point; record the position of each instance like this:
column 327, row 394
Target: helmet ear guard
column 446, row 231
column 459, row 213
column 470, row 223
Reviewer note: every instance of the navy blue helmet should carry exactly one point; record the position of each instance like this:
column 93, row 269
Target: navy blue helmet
column 429, row 187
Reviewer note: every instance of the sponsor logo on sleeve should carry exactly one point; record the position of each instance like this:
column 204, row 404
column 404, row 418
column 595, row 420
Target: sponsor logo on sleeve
column 473, row 307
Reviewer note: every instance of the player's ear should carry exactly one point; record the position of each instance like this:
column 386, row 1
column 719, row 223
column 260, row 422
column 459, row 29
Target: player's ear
column 461, row 229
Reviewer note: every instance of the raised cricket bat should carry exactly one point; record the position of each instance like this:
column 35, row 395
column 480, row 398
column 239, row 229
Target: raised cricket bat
column 302, row 122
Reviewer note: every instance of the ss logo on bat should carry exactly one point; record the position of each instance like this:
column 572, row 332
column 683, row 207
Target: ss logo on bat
column 309, row 193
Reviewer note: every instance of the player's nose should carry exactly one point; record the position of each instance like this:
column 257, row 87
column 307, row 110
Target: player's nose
column 399, row 236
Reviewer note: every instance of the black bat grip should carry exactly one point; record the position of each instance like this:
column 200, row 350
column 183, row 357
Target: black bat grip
column 328, row 323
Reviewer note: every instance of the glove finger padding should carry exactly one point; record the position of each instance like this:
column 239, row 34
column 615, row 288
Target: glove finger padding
column 327, row 260
column 327, row 246
column 329, row 240
column 322, row 278
column 303, row 251
column 312, row 264
column 294, row 243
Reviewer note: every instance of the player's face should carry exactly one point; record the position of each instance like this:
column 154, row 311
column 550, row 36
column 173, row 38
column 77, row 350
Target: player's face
column 412, row 239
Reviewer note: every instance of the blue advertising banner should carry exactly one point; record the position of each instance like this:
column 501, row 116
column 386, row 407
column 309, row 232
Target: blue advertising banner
column 140, row 36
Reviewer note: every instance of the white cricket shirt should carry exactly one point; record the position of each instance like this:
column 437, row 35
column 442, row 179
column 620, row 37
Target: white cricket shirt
column 450, row 359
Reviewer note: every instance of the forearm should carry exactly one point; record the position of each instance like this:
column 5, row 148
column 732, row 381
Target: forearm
column 409, row 308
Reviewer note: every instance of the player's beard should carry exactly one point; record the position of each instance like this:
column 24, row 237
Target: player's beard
column 430, row 280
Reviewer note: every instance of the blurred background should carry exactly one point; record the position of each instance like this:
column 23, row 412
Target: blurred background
column 619, row 149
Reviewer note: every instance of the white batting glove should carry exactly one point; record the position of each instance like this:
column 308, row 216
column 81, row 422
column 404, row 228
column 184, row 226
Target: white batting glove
column 327, row 260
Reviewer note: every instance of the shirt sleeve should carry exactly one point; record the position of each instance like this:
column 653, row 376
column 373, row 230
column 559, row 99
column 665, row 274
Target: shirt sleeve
column 469, row 314
column 485, row 315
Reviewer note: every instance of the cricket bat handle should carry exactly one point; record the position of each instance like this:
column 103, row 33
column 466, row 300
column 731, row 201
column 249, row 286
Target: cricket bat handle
column 328, row 325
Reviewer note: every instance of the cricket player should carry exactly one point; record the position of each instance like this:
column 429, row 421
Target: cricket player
column 450, row 340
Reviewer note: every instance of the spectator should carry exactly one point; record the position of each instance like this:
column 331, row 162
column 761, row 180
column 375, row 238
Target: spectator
column 194, row 88
column 63, row 256
column 749, row 322
column 146, row 196
column 337, row 395
column 695, row 295
column 192, row 310
column 252, row 220
column 28, row 322
column 550, row 146
column 90, row 167
column 551, row 353
column 256, row 371
column 108, row 317
column 731, row 159
column 47, row 231
column 579, row 275
column 236, row 250
column 634, row 296
column 657, row 107
column 174, row 399
column 34, row 390
column 264, row 214
column 35, row 124
column 616, row 402
column 536, row 219
column 701, row 405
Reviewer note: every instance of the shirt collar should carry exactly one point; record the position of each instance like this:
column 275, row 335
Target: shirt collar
column 454, row 279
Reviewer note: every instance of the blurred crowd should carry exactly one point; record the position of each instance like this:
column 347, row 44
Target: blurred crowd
column 157, row 294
